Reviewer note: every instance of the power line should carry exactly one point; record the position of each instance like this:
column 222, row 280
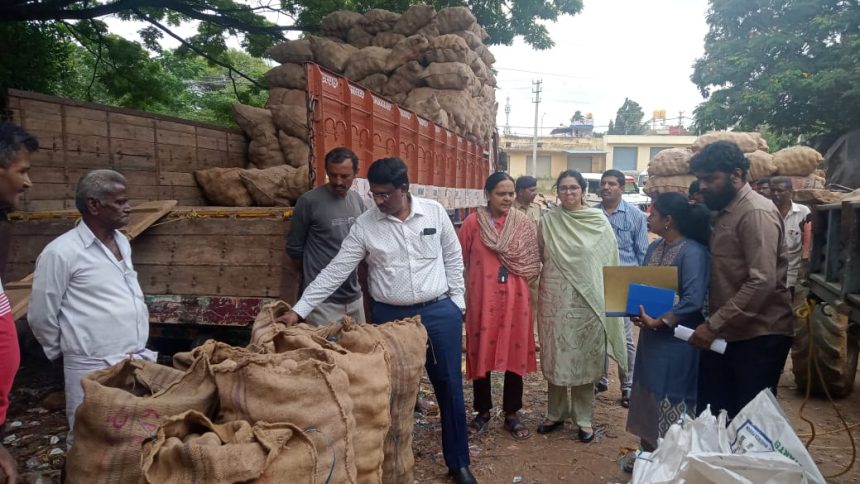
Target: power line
column 542, row 73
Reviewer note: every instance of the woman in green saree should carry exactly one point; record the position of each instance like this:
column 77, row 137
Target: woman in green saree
column 576, row 242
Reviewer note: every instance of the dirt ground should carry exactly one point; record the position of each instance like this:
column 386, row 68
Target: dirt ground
column 35, row 433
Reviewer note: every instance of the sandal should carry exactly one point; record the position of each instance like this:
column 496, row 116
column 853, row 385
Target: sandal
column 516, row 428
column 479, row 423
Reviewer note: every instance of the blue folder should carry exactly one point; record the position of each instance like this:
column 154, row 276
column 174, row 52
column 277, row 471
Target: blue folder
column 656, row 300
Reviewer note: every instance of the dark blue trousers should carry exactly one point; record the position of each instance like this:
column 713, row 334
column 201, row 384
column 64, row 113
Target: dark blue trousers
column 444, row 325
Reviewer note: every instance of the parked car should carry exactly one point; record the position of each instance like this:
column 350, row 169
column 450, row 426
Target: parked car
column 632, row 192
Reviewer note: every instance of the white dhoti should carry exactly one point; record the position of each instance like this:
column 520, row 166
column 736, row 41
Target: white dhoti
column 75, row 367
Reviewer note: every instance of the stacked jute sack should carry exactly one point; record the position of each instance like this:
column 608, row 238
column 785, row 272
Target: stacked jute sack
column 298, row 405
column 669, row 171
column 432, row 63
column 277, row 173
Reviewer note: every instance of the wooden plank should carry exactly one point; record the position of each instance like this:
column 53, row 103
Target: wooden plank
column 175, row 193
column 211, row 159
column 86, row 113
column 15, row 116
column 48, row 140
column 179, row 127
column 50, row 191
column 14, row 102
column 41, row 121
column 133, row 154
column 76, row 125
column 212, row 143
column 132, row 132
column 215, row 280
column 176, row 158
column 87, row 143
column 143, row 192
column 223, row 226
column 144, row 215
column 43, row 205
column 43, row 174
column 15, row 270
column 175, row 178
column 175, row 137
column 139, row 177
column 214, row 250
column 88, row 159
column 132, row 119
column 35, row 106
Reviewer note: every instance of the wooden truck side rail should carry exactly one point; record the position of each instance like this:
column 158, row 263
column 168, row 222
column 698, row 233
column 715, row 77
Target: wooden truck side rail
column 834, row 262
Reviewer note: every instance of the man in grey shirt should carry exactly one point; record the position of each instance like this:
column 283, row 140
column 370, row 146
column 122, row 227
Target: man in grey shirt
column 321, row 220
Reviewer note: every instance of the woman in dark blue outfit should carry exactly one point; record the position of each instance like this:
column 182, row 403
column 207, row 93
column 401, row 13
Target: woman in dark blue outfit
column 666, row 377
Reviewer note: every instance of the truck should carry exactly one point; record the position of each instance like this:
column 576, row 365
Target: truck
column 205, row 269
column 828, row 332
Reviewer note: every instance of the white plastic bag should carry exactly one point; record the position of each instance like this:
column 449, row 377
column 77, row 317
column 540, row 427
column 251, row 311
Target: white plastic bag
column 758, row 446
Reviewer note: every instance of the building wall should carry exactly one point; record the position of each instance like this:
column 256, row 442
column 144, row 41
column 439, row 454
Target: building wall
column 518, row 166
column 643, row 144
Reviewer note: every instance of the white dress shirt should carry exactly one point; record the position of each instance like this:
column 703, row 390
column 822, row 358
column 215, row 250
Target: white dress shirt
column 86, row 303
column 410, row 261
column 794, row 240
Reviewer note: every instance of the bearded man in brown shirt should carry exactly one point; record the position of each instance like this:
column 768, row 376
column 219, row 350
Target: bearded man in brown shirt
column 749, row 302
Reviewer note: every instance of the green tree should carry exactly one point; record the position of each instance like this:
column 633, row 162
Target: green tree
column 628, row 119
column 577, row 116
column 793, row 65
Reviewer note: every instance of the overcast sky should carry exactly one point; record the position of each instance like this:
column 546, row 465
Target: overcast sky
column 613, row 49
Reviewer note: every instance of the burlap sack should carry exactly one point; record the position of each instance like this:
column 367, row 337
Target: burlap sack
column 123, row 406
column 222, row 186
column 666, row 184
column 817, row 197
column 449, row 75
column 288, row 97
column 375, row 82
column 366, row 61
column 387, row 39
column 297, row 51
column 265, row 152
column 454, row 19
column 479, row 31
column 761, row 165
column 254, row 122
column 292, row 120
column 672, row 161
column 797, row 161
column 747, row 142
column 398, row 98
column 369, row 388
column 190, row 448
column 296, row 150
column 811, row 182
column 358, row 37
column 431, row 30
column 279, row 186
column 291, row 76
column 330, row 54
column 404, row 79
column 302, row 387
column 485, row 55
column 411, row 48
column 338, row 24
column 414, row 18
column 482, row 72
column 377, row 20
column 762, row 144
column 472, row 40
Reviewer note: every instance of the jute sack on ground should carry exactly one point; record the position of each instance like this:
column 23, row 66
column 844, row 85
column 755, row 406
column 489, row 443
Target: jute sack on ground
column 747, row 142
column 303, row 387
column 297, row 51
column 223, row 187
column 414, row 18
column 369, row 388
column 797, row 161
column 331, row 54
column 672, row 161
column 123, row 406
column 291, row 76
column 296, row 151
column 265, row 151
column 190, row 448
column 279, row 186
column 448, row 75
column 291, row 119
column 337, row 24
column 255, row 122
column 761, row 164
column 284, row 96
column 367, row 61
column 411, row 48
column 667, row 184
column 454, row 19
column 378, row 20
column 387, row 40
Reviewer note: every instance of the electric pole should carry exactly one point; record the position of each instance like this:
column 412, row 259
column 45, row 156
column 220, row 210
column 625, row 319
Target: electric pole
column 507, row 129
column 536, row 90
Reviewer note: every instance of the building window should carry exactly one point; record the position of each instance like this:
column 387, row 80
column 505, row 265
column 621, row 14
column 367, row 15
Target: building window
column 655, row 150
column 544, row 165
column 624, row 158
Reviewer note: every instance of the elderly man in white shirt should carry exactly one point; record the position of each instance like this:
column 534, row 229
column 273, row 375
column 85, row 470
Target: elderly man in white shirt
column 794, row 218
column 86, row 303
column 415, row 267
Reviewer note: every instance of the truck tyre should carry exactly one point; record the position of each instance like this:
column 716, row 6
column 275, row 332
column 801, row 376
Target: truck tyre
column 835, row 344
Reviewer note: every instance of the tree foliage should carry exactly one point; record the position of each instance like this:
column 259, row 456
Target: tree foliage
column 792, row 65
column 628, row 119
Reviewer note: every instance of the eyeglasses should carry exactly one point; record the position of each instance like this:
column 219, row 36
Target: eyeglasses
column 569, row 188
column 383, row 196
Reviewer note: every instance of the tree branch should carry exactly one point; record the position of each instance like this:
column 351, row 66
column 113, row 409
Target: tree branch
column 196, row 50
column 96, row 65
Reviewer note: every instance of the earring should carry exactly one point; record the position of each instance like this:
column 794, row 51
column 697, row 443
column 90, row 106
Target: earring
column 666, row 227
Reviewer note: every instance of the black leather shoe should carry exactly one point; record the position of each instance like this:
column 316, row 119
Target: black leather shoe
column 546, row 428
column 462, row 475
column 600, row 387
column 584, row 436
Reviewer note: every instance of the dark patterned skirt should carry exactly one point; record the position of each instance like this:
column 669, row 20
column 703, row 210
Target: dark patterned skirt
column 664, row 384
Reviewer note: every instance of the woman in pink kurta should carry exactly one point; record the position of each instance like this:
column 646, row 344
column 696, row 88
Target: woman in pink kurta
column 500, row 255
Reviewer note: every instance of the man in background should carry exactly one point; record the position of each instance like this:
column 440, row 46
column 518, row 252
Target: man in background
column 526, row 191
column 794, row 218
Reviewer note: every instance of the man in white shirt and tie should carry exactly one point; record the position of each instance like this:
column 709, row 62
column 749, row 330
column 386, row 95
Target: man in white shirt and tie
column 415, row 267
column 86, row 303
